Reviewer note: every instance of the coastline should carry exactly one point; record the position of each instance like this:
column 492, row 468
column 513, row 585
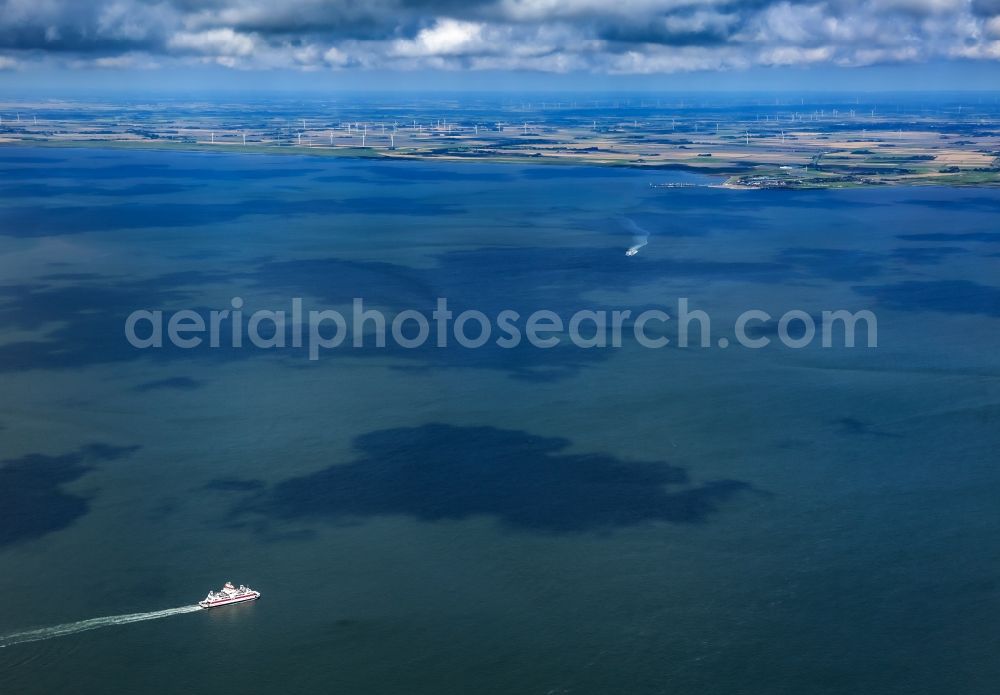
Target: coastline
column 738, row 173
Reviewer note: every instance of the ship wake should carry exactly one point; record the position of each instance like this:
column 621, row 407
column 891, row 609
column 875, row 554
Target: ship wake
column 44, row 633
column 640, row 237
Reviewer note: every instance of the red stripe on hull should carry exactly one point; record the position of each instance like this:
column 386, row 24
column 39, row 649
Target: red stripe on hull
column 227, row 601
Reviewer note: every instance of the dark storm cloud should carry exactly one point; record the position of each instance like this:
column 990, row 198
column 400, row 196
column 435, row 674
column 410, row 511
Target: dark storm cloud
column 376, row 20
column 986, row 8
column 635, row 36
column 61, row 26
column 659, row 31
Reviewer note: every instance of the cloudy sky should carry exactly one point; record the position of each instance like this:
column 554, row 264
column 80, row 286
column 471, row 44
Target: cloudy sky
column 956, row 42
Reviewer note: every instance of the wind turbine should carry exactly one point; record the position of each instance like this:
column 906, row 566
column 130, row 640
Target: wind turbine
column 244, row 139
column 748, row 137
column 364, row 135
column 392, row 141
column 213, row 138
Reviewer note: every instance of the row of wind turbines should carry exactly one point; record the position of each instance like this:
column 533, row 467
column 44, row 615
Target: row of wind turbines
column 306, row 137
column 359, row 130
column 17, row 119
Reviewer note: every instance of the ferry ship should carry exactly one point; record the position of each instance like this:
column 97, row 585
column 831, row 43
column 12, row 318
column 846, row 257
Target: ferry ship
column 229, row 594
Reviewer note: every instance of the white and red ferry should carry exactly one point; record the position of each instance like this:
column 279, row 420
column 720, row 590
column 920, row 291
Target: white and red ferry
column 229, row 594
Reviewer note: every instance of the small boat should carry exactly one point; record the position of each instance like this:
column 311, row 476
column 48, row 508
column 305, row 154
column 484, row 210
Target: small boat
column 229, row 594
column 632, row 251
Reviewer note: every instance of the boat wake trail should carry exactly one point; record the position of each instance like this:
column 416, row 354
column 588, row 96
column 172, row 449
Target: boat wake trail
column 44, row 633
column 640, row 237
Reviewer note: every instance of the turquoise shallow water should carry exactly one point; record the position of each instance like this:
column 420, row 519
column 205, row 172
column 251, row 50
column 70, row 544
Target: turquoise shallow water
column 588, row 521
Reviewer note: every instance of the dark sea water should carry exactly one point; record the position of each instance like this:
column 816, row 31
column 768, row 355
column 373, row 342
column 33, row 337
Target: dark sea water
column 628, row 520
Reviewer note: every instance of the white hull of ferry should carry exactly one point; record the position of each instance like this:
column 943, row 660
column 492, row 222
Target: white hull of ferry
column 229, row 594
column 226, row 601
